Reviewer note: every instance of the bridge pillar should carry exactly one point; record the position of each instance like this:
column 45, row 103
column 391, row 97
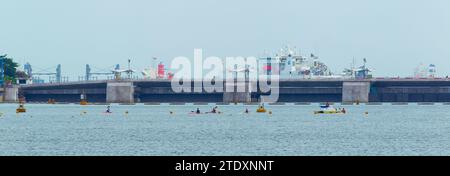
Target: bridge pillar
column 11, row 94
column 231, row 95
column 120, row 92
column 355, row 91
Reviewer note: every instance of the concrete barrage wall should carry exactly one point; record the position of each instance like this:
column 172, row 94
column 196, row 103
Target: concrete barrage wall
column 289, row 91
column 120, row 92
column 356, row 91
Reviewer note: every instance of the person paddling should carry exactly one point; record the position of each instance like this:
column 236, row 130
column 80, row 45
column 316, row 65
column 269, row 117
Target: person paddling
column 198, row 111
column 108, row 109
column 215, row 110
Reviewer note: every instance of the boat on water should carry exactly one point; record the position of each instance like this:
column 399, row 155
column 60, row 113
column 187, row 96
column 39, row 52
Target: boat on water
column 200, row 113
column 328, row 112
column 328, row 109
column 21, row 109
column 261, row 109
column 83, row 102
column 51, row 101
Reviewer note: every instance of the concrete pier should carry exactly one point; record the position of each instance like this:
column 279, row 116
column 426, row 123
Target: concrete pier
column 231, row 95
column 236, row 97
column 120, row 92
column 355, row 91
column 10, row 94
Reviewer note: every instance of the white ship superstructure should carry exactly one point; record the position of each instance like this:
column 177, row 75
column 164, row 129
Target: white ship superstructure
column 289, row 63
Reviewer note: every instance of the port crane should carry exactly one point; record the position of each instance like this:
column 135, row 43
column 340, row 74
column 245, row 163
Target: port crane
column 246, row 70
column 116, row 72
column 53, row 76
column 91, row 75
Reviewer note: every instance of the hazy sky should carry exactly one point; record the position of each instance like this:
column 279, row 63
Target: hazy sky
column 394, row 36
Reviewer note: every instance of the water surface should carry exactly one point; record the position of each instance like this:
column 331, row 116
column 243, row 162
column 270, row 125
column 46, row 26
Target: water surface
column 290, row 130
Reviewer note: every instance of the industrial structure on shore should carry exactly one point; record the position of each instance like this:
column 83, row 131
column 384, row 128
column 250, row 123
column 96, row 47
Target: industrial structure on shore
column 303, row 79
column 321, row 90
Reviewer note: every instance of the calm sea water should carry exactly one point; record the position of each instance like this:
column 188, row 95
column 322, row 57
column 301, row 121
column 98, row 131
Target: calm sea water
column 290, row 130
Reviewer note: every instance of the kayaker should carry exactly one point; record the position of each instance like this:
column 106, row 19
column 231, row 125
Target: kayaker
column 198, row 111
column 246, row 110
column 214, row 110
column 343, row 110
column 108, row 109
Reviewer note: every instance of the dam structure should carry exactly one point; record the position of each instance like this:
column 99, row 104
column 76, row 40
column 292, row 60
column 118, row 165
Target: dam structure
column 290, row 91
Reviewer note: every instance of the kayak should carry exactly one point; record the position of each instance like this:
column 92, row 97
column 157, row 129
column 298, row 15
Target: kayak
column 21, row 110
column 194, row 113
column 328, row 112
column 205, row 113
column 261, row 110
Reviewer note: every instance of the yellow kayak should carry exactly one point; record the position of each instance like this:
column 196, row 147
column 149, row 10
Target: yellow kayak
column 21, row 110
column 261, row 110
column 83, row 102
column 328, row 112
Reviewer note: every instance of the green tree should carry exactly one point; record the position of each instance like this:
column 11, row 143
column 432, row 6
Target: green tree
column 10, row 68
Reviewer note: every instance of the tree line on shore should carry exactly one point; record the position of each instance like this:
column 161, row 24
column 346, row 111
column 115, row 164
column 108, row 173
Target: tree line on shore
column 10, row 73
